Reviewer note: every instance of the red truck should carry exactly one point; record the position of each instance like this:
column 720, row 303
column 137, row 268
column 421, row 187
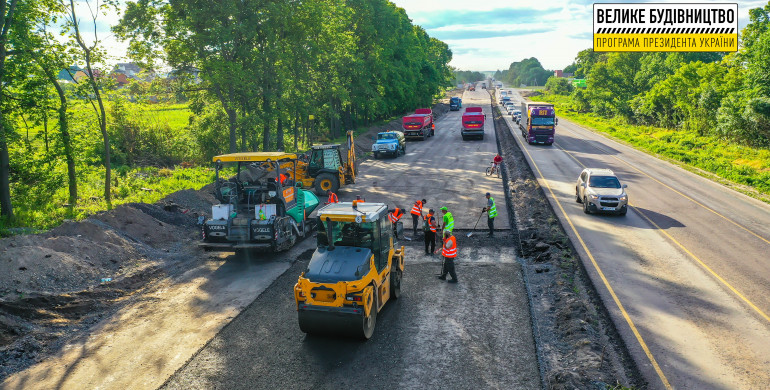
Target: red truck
column 419, row 124
column 473, row 123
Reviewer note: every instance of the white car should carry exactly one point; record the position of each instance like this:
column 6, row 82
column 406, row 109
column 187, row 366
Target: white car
column 510, row 107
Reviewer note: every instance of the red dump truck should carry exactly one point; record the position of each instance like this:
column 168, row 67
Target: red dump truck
column 419, row 124
column 473, row 123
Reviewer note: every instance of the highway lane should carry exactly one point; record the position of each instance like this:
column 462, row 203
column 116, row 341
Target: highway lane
column 473, row 334
column 688, row 263
column 445, row 170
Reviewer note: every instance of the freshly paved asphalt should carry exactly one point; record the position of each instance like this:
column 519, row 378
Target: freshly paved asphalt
column 689, row 263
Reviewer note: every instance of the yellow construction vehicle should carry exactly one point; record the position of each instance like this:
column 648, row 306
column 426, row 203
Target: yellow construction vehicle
column 324, row 169
column 354, row 271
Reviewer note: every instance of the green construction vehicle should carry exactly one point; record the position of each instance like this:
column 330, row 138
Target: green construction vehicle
column 261, row 207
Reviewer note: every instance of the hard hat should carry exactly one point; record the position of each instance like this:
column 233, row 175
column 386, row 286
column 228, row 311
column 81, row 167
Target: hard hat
column 443, row 208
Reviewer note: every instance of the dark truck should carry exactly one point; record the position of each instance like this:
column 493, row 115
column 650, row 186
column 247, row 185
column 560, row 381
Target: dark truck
column 455, row 103
column 473, row 123
column 538, row 122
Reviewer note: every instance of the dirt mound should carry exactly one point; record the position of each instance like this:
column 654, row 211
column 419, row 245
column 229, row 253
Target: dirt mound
column 530, row 93
column 55, row 283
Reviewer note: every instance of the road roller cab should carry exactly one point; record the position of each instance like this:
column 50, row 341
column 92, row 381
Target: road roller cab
column 353, row 273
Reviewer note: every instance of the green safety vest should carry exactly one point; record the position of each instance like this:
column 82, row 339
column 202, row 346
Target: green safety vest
column 449, row 222
column 492, row 212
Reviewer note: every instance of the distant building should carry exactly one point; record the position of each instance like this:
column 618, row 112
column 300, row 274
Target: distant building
column 129, row 69
column 120, row 78
column 560, row 73
column 69, row 73
column 193, row 73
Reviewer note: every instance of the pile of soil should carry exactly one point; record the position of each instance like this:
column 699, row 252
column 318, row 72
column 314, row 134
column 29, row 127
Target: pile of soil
column 55, row 284
column 528, row 93
column 578, row 345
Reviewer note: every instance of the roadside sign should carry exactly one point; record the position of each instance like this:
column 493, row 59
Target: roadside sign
column 669, row 27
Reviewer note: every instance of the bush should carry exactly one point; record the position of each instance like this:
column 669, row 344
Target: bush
column 558, row 85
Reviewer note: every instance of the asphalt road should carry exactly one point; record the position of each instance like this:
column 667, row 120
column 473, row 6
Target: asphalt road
column 685, row 274
column 474, row 334
column 444, row 170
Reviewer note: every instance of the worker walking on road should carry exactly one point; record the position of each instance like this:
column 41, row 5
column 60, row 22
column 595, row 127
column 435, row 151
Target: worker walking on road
column 332, row 197
column 417, row 213
column 429, row 226
column 491, row 210
column 449, row 221
column 449, row 251
column 395, row 215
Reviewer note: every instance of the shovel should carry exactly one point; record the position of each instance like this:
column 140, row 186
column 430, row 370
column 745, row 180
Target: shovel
column 477, row 224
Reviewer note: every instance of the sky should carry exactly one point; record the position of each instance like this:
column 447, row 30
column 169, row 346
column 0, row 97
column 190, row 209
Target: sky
column 483, row 36
column 491, row 34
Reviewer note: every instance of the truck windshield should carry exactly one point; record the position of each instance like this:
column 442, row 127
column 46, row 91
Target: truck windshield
column 542, row 121
column 386, row 136
column 604, row 182
column 347, row 234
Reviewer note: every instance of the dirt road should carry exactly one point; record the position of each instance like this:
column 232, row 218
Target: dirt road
column 444, row 170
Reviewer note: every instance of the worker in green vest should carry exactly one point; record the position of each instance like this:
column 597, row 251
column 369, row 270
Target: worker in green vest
column 491, row 210
column 449, row 221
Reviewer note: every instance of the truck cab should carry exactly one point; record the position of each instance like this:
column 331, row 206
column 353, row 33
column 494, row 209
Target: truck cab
column 538, row 122
column 455, row 103
column 389, row 142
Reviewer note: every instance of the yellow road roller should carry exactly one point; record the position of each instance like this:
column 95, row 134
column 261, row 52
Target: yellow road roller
column 353, row 273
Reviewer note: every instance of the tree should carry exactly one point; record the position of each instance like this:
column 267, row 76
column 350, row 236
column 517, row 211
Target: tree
column 559, row 85
column 90, row 54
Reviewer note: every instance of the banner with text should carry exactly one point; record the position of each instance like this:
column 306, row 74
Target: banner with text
column 666, row 27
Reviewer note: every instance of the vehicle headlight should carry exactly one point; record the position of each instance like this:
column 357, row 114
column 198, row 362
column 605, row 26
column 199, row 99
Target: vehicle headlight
column 593, row 197
column 623, row 198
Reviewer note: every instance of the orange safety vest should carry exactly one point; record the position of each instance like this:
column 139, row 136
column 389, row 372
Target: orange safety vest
column 431, row 222
column 283, row 178
column 452, row 251
column 332, row 198
column 417, row 208
column 433, row 126
column 395, row 215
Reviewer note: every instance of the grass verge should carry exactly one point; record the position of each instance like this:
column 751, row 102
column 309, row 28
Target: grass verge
column 744, row 168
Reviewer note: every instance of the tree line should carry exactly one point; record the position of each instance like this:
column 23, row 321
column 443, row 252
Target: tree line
column 257, row 75
column 724, row 95
column 525, row 72
column 468, row 76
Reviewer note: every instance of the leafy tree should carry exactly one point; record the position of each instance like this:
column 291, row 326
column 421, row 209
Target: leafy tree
column 559, row 85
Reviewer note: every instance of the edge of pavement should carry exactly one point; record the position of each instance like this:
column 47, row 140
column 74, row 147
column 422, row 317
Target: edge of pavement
column 625, row 359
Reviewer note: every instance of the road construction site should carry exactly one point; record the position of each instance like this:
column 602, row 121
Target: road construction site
column 524, row 314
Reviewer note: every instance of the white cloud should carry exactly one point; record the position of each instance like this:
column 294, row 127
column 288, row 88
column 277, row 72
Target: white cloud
column 555, row 49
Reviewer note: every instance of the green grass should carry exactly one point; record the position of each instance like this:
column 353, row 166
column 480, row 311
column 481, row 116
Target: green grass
column 732, row 163
column 145, row 185
column 177, row 116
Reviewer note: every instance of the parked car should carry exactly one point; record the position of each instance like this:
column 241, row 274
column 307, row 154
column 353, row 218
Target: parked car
column 600, row 191
column 389, row 142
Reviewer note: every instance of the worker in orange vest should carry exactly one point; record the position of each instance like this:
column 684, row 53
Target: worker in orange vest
column 417, row 213
column 433, row 128
column 430, row 225
column 332, row 197
column 449, row 250
column 394, row 216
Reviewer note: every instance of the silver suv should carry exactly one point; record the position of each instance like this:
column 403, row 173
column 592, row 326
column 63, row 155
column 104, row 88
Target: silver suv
column 599, row 190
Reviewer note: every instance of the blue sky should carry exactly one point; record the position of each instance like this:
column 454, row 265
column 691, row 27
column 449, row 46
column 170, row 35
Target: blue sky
column 483, row 35
column 490, row 34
